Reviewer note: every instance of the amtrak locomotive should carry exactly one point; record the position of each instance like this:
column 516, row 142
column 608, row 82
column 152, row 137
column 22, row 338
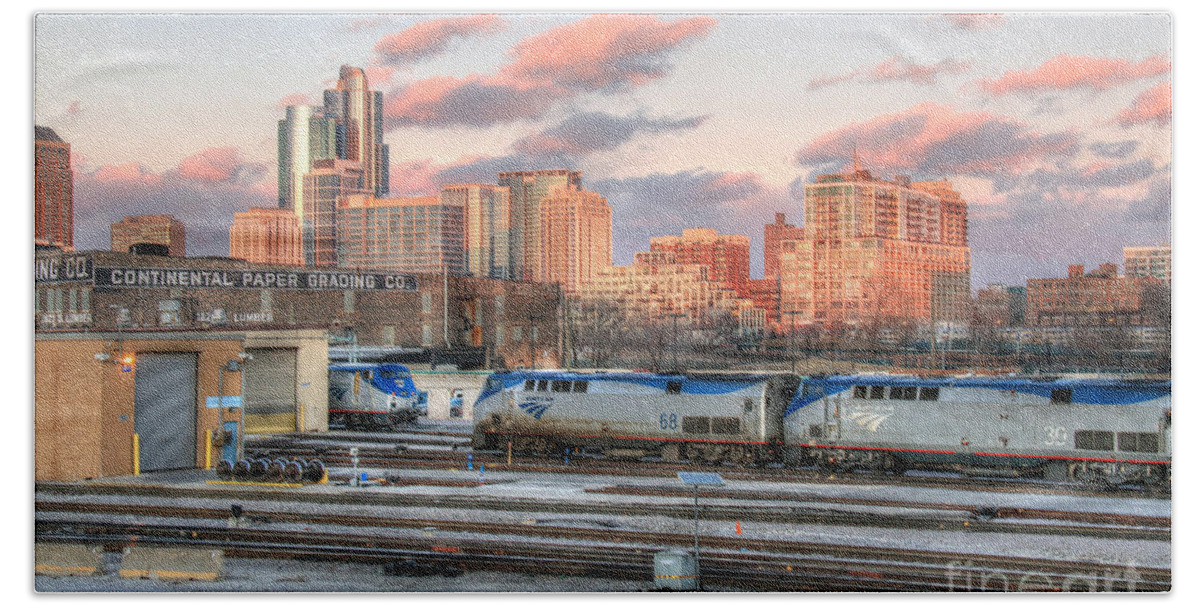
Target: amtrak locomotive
column 1106, row 430
column 373, row 396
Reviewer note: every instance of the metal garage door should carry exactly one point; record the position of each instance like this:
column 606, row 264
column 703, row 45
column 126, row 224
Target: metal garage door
column 269, row 390
column 164, row 401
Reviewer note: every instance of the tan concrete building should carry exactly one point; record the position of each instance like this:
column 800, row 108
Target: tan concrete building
column 1148, row 262
column 576, row 238
column 159, row 229
column 401, row 234
column 487, row 228
column 876, row 250
column 266, row 235
column 118, row 403
column 654, row 292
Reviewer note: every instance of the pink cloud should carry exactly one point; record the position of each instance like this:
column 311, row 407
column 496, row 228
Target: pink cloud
column 975, row 21
column 212, row 165
column 1152, row 105
column 1071, row 72
column 899, row 68
column 75, row 108
column 378, row 74
column 934, row 139
column 895, row 68
column 430, row 38
column 414, row 178
column 127, row 173
column 821, row 82
column 604, row 51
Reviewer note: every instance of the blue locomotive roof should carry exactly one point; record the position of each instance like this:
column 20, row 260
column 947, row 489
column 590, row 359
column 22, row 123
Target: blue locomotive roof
column 355, row 367
column 693, row 383
column 1100, row 391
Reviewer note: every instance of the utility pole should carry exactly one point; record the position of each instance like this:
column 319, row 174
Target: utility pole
column 675, row 338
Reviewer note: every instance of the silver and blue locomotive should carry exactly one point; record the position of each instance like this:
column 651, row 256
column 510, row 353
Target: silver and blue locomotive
column 373, row 396
column 1108, row 430
column 710, row 417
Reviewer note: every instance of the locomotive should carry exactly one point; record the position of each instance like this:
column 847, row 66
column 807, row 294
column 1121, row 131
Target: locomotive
column 1110, row 431
column 373, row 396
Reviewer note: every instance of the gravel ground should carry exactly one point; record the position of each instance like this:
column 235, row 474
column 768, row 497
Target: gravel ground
column 273, row 576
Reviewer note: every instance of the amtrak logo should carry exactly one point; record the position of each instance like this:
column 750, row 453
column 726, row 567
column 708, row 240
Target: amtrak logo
column 535, row 408
column 871, row 417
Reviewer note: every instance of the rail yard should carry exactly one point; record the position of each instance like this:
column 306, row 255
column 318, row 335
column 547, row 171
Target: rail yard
column 419, row 509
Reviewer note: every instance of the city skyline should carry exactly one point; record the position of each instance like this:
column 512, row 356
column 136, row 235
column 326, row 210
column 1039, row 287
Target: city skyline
column 1051, row 147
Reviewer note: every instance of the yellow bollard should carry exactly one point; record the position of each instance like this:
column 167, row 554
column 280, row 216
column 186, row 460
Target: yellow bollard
column 510, row 453
column 207, row 449
column 137, row 465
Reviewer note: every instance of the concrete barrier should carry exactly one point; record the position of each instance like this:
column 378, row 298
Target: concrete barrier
column 64, row 559
column 170, row 563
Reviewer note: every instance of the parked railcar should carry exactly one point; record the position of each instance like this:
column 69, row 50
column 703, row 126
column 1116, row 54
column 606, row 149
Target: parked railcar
column 700, row 417
column 1105, row 430
column 373, row 396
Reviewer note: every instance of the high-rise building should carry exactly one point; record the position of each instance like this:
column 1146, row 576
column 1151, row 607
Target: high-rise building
column 53, row 191
column 305, row 135
column 358, row 113
column 161, row 229
column 773, row 234
column 527, row 189
column 265, row 235
column 1149, row 262
column 877, row 250
column 405, row 234
column 328, row 182
column 487, row 215
column 727, row 256
column 348, row 129
column 576, row 237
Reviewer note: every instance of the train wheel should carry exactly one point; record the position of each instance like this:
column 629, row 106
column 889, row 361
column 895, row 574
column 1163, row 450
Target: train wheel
column 275, row 470
column 225, row 469
column 293, row 471
column 241, row 470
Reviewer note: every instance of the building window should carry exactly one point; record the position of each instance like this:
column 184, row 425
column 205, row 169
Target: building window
column 265, row 299
column 499, row 335
column 426, row 303
column 516, row 333
column 168, row 312
column 348, row 302
column 37, row 300
column 85, row 300
column 500, row 306
column 389, row 335
column 426, row 335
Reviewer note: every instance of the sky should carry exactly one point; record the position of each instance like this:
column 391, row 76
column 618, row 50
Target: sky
column 1056, row 127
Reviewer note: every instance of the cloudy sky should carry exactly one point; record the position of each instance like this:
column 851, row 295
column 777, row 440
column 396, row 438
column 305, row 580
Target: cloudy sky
column 1055, row 126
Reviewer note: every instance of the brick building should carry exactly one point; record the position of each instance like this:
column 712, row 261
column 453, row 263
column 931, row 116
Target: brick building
column 53, row 191
column 104, row 291
column 1098, row 298
column 727, row 256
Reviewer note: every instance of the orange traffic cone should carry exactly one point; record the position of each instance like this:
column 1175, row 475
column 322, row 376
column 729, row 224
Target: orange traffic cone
column 739, row 527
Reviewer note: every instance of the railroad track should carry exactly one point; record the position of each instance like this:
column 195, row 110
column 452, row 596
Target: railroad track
column 740, row 563
column 403, row 456
column 920, row 516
